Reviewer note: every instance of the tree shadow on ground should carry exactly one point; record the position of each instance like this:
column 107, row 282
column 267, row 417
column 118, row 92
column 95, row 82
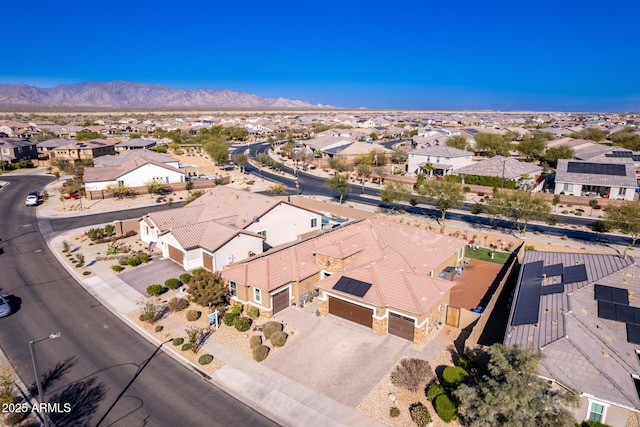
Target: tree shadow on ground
column 82, row 399
column 49, row 378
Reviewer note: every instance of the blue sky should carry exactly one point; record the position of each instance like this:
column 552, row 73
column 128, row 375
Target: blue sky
column 542, row 55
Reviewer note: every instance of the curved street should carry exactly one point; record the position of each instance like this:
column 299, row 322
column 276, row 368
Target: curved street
column 109, row 373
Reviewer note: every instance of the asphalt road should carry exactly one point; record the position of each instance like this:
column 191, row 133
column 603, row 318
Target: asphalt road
column 110, row 374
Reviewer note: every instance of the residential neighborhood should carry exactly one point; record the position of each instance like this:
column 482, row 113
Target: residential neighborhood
column 311, row 259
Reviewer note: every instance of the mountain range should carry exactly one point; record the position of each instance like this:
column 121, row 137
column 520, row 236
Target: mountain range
column 122, row 94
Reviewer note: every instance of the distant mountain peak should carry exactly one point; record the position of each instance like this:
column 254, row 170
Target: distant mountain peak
column 123, row 94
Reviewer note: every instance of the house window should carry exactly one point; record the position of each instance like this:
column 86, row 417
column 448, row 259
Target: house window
column 596, row 412
column 568, row 187
column 263, row 233
column 233, row 288
column 314, row 222
column 622, row 191
column 257, row 295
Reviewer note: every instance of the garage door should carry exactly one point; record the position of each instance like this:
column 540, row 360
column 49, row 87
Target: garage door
column 176, row 255
column 401, row 326
column 207, row 261
column 280, row 301
column 355, row 313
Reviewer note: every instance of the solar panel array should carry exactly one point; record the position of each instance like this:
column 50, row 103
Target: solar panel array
column 620, row 154
column 528, row 302
column 613, row 304
column 596, row 168
column 574, row 273
column 553, row 270
column 352, row 286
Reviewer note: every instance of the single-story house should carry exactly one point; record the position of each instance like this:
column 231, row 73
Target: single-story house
column 443, row 159
column 135, row 144
column 581, row 311
column 505, row 168
column 375, row 272
column 134, row 169
column 226, row 225
column 614, row 179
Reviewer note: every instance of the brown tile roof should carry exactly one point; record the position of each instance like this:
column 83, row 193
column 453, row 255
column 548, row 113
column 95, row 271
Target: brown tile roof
column 207, row 235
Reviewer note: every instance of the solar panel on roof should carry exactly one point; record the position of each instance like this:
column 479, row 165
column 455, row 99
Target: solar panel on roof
column 553, row 270
column 620, row 154
column 352, row 286
column 633, row 333
column 528, row 301
column 574, row 273
column 611, row 294
column 557, row 288
column 607, row 310
column 596, row 168
column 624, row 313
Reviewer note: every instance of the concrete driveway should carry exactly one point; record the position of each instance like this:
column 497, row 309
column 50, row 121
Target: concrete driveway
column 339, row 358
column 156, row 272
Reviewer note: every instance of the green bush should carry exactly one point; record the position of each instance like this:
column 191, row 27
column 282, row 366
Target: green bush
column 172, row 283
column 260, row 353
column 593, row 423
column 177, row 304
column 143, row 258
column 445, row 408
column 123, row 260
column 271, row 327
column 253, row 312
column 278, row 339
column 205, row 359
column 237, row 309
column 420, row 414
column 185, row 277
column 242, row 324
column 134, row 261
column 86, row 273
column 155, row 289
column 394, row 412
column 229, row 318
column 193, row 315
column 186, row 346
column 255, row 341
column 434, row 390
column 198, row 271
column 177, row 341
column 453, row 376
column 159, row 328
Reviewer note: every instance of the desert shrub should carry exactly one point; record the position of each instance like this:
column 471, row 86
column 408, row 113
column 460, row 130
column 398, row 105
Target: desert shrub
column 593, row 423
column 177, row 304
column 159, row 328
column 255, row 341
column 66, row 246
column 253, row 312
column 172, row 283
column 445, row 408
column 185, row 277
column 15, row 418
column 411, row 373
column 208, row 289
column 186, row 346
column 155, row 289
column 86, row 273
column 143, row 257
column 242, row 324
column 278, row 339
column 177, row 341
column 117, row 268
column 80, row 258
column 205, row 359
column 123, row 260
column 134, row 261
column 229, row 318
column 466, row 361
column 434, row 390
column 270, row 327
column 131, row 233
column 394, row 412
column 151, row 310
column 420, row 414
column 198, row 271
column 453, row 376
column 193, row 315
column 260, row 353
column 237, row 309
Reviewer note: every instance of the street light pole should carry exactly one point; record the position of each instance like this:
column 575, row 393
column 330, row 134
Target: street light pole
column 32, row 348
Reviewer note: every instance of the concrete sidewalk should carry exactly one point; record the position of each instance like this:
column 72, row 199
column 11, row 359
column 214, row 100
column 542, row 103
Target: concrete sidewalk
column 280, row 398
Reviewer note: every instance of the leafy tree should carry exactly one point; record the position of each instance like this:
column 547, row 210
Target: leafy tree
column 443, row 195
column 626, row 138
column 592, row 204
column 157, row 187
column 532, row 148
column 205, row 288
column 218, row 150
column 241, row 160
column 476, row 208
column 364, row 170
column 519, row 207
column 86, row 135
column 395, row 192
column 553, row 154
column 239, row 134
column 320, row 127
column 458, row 141
column 493, row 144
column 399, row 156
column 263, row 158
column 626, row 219
column 277, row 188
column 134, row 135
column 592, row 134
column 512, row 394
column 119, row 190
column 339, row 183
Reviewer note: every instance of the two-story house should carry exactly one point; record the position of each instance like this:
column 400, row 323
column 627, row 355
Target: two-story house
column 438, row 160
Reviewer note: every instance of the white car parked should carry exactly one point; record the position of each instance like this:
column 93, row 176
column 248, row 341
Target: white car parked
column 32, row 199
